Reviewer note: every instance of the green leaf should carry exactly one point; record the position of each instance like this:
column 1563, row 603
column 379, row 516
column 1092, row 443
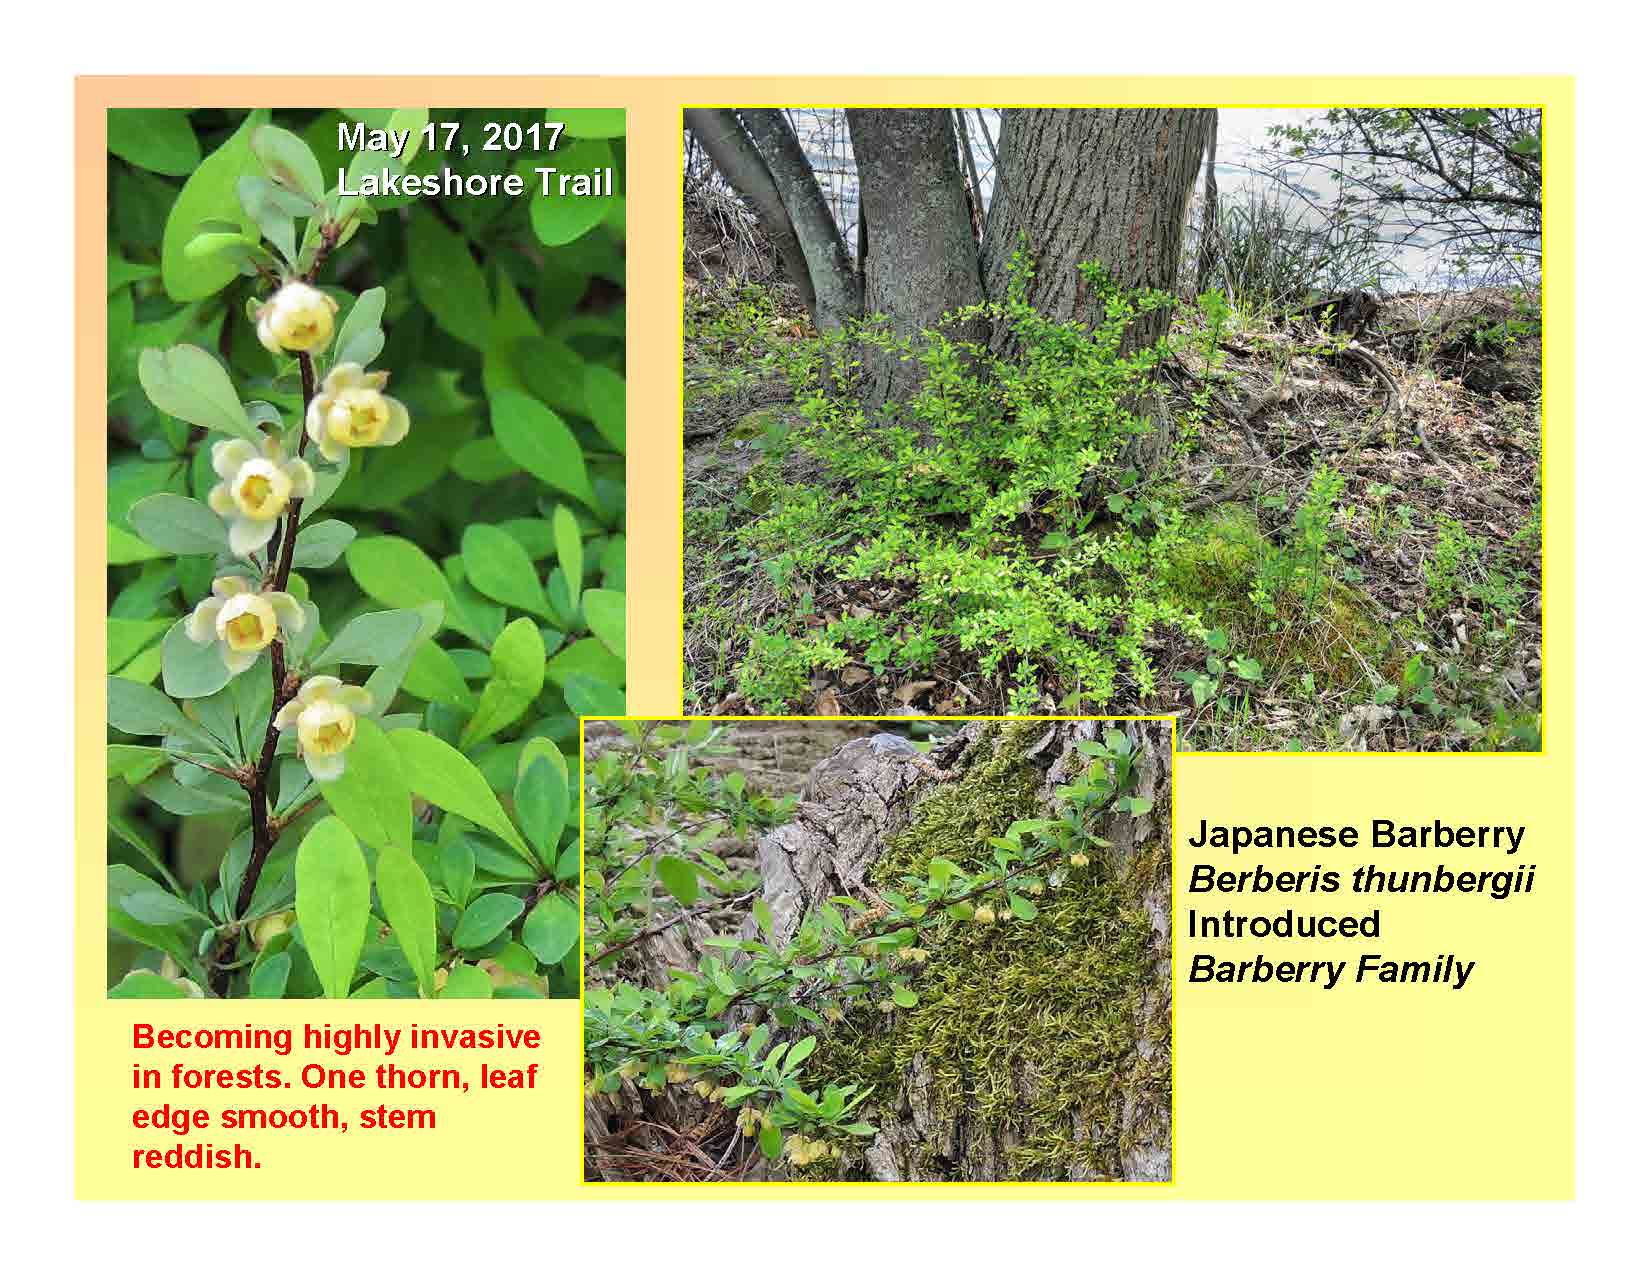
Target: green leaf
column 604, row 613
column 371, row 795
column 409, row 906
column 1025, row 909
column 289, row 162
column 361, row 335
column 269, row 977
column 142, row 710
column 447, row 280
column 334, row 899
column 486, row 918
column 1246, row 668
column 590, row 697
column 179, row 525
column 551, row 929
column 158, row 140
column 539, row 441
column 680, row 878
column 903, row 996
column 564, row 215
column 771, row 1140
column 564, row 528
column 604, row 392
column 542, row 806
column 764, row 917
column 208, row 195
column 518, row 676
column 142, row 985
column 498, row 566
column 445, row 777
column 321, row 543
column 187, row 382
column 378, row 637
column 467, row 982
column 189, row 669
column 433, row 676
column 589, row 121
column 398, row 573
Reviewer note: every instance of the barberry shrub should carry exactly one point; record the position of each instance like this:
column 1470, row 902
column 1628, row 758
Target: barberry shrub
column 1017, row 503
column 365, row 546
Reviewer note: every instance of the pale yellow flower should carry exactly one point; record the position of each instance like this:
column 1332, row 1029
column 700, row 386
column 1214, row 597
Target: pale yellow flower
column 243, row 621
column 296, row 319
column 984, row 915
column 257, row 486
column 353, row 411
column 1079, row 860
column 323, row 713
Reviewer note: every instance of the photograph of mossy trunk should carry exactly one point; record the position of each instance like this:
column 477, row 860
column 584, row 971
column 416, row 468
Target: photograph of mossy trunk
column 897, row 950
column 366, row 544
column 1230, row 414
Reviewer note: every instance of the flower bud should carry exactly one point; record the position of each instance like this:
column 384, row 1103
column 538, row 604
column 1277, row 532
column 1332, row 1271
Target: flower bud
column 297, row 319
column 271, row 926
column 352, row 410
column 984, row 915
column 323, row 713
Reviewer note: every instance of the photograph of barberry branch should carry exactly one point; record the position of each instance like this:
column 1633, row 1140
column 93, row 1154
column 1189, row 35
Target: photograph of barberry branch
column 366, row 545
column 893, row 951
column 1231, row 414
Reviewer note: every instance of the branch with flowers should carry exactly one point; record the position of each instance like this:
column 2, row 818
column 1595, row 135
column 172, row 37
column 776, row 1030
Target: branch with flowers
column 392, row 830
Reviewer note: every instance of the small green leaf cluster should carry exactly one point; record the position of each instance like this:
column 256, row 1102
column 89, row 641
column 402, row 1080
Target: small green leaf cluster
column 276, row 828
column 713, row 1027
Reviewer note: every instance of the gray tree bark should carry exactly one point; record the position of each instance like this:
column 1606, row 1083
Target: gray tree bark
column 736, row 156
column 921, row 261
column 1094, row 185
column 836, row 283
column 1208, row 246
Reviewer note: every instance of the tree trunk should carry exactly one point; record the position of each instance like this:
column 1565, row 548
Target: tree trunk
column 1094, row 185
column 921, row 261
column 738, row 160
column 836, row 284
column 1038, row 1050
column 1108, row 186
column 1208, row 245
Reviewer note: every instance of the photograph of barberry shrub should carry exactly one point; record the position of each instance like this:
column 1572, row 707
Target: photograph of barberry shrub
column 1234, row 414
column 366, row 544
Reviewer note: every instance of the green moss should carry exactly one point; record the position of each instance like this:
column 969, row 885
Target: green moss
column 1211, row 573
column 1030, row 1028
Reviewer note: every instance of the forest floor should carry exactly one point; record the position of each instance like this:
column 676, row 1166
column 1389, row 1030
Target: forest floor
column 1425, row 632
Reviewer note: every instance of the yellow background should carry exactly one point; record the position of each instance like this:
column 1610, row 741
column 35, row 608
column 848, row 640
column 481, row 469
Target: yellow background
column 1286, row 1092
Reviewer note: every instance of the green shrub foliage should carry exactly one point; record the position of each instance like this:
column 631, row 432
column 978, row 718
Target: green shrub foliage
column 366, row 548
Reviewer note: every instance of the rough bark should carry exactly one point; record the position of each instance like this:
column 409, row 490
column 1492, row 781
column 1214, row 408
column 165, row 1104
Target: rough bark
column 1094, row 185
column 1208, row 246
column 1107, row 186
column 737, row 158
column 921, row 261
column 836, row 283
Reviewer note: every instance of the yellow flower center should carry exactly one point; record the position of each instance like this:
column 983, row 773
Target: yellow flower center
column 326, row 728
column 245, row 631
column 358, row 417
column 261, row 490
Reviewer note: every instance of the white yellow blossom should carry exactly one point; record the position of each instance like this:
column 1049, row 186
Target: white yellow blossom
column 256, row 489
column 984, row 915
column 352, row 410
column 242, row 620
column 297, row 319
column 323, row 713
column 1079, row 860
column 803, row 1151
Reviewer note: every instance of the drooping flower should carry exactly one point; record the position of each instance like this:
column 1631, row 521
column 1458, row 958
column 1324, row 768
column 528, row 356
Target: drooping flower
column 298, row 318
column 352, row 410
column 1079, row 860
column 242, row 620
column 255, row 490
column 323, row 713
